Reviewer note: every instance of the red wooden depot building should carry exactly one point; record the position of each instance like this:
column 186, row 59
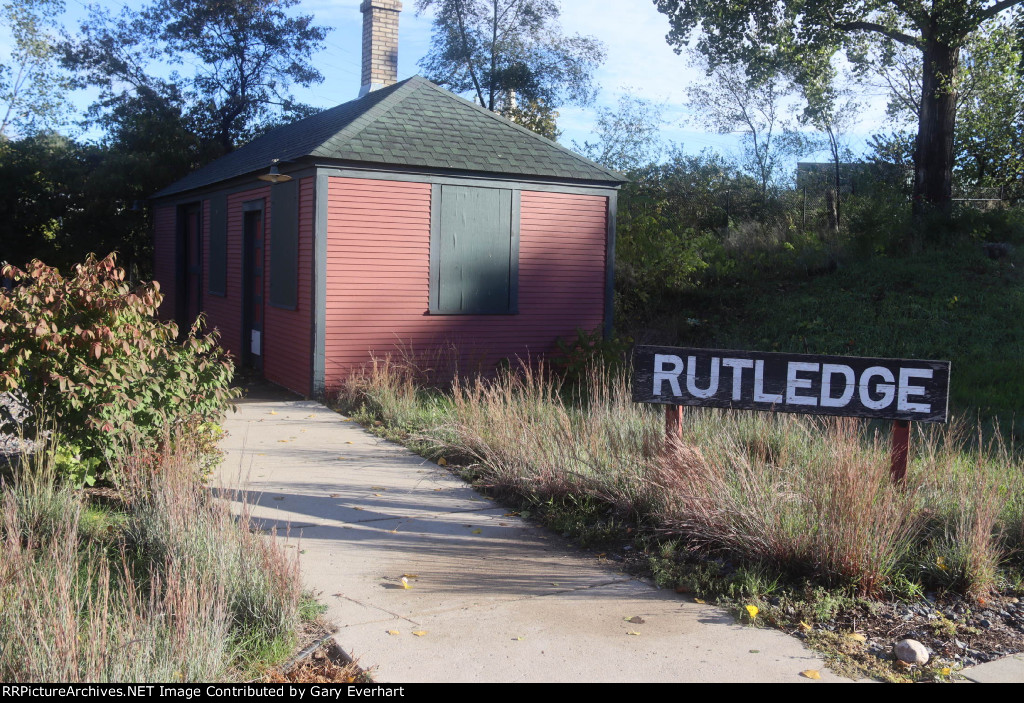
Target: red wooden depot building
column 408, row 218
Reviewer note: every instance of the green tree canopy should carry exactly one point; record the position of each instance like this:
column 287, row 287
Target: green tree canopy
column 802, row 36
column 628, row 135
column 244, row 56
column 32, row 86
column 512, row 56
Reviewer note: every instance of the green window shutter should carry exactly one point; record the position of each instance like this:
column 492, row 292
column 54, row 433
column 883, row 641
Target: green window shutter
column 474, row 253
column 218, row 259
column 284, row 245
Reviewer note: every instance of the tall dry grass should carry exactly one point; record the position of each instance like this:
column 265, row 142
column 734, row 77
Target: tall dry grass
column 817, row 500
column 529, row 437
column 812, row 496
column 168, row 588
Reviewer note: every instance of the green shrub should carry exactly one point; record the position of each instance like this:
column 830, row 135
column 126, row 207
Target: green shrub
column 89, row 353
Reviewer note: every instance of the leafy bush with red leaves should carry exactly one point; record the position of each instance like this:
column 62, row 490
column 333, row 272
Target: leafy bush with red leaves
column 87, row 354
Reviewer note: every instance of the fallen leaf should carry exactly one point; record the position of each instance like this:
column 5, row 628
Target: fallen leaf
column 805, row 627
column 752, row 611
column 636, row 634
column 856, row 637
column 754, row 651
column 419, row 633
column 272, row 412
column 442, row 462
column 811, row 674
column 700, row 600
column 349, row 442
column 377, row 495
column 309, row 416
column 636, row 620
column 394, row 632
column 282, row 440
column 476, row 532
column 518, row 639
column 554, row 583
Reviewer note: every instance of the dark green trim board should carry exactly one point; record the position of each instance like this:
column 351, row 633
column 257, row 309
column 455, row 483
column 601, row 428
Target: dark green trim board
column 513, row 264
column 473, row 178
column 217, row 271
column 319, row 310
column 435, row 243
column 609, row 262
column 284, row 245
column 408, row 174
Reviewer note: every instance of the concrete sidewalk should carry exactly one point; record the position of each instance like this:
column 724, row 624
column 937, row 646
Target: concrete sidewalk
column 492, row 597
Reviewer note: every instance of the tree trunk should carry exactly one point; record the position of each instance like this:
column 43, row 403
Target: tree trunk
column 933, row 160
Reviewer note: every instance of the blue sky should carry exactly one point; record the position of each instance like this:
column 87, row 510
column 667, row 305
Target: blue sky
column 638, row 60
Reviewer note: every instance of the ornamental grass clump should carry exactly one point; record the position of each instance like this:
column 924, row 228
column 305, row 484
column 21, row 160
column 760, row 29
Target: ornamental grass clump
column 88, row 352
column 973, row 504
column 528, row 435
column 168, row 586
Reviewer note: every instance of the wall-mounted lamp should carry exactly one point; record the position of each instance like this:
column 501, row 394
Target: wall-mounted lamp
column 275, row 175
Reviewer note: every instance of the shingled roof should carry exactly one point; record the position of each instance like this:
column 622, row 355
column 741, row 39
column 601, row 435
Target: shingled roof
column 411, row 123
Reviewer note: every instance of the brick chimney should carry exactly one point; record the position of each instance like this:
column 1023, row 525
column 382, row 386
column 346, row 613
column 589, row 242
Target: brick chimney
column 380, row 44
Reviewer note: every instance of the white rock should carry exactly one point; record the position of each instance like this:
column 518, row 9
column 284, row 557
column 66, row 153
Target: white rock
column 911, row 652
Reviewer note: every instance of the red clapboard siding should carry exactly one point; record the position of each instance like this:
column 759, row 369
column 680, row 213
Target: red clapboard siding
column 378, row 277
column 287, row 338
column 164, row 230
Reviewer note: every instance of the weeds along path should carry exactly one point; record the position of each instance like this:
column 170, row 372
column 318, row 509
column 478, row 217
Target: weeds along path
column 429, row 581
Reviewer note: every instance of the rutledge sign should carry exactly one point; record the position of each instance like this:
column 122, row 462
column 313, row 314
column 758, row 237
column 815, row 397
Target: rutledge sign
column 850, row 386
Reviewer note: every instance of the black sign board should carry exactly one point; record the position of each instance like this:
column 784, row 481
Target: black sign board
column 849, row 386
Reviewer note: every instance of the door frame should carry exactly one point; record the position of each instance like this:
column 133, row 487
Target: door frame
column 249, row 324
column 181, row 264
